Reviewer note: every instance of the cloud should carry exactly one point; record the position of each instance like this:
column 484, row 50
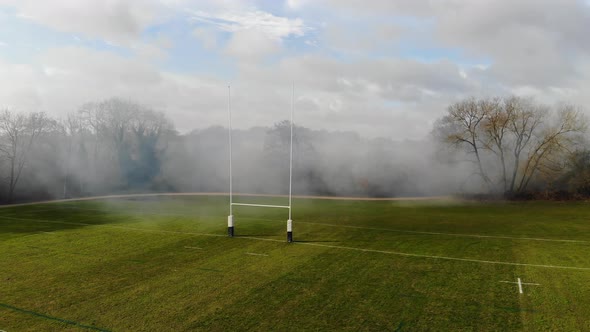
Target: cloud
column 272, row 26
column 360, row 37
column 118, row 21
column 251, row 45
column 296, row 4
column 330, row 94
column 376, row 67
column 62, row 79
column 254, row 34
column 530, row 42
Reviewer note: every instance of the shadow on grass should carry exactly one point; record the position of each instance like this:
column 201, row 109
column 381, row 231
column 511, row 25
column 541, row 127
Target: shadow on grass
column 255, row 235
column 44, row 218
column 316, row 241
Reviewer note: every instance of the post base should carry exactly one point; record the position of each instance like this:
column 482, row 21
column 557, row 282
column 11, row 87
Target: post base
column 289, row 230
column 230, row 226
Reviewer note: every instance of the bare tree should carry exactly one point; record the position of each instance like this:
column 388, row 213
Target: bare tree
column 512, row 129
column 463, row 127
column 132, row 135
column 19, row 132
column 495, row 128
column 551, row 142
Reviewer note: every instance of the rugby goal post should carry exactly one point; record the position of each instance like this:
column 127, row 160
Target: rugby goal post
column 230, row 218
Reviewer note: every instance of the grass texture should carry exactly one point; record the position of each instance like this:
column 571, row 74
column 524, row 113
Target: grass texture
column 166, row 264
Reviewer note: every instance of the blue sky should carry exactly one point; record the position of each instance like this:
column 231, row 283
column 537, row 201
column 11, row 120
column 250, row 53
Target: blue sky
column 399, row 60
column 24, row 38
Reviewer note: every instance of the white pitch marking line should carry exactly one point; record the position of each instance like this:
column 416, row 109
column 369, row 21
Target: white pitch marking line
column 312, row 244
column 520, row 283
column 361, row 227
column 255, row 254
column 198, row 248
column 448, row 234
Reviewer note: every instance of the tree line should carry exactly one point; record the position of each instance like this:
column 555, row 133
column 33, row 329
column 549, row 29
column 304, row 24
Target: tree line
column 106, row 146
column 508, row 146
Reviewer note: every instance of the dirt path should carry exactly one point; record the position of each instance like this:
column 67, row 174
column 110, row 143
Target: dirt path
column 429, row 198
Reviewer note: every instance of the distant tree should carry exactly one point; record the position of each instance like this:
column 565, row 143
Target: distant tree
column 148, row 128
column 463, row 127
column 577, row 177
column 513, row 129
column 134, row 134
column 306, row 175
column 278, row 139
column 19, row 133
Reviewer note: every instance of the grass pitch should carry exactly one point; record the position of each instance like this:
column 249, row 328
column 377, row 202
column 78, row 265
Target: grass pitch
column 165, row 263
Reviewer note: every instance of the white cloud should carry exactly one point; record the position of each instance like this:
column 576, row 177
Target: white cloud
column 251, row 45
column 298, row 4
column 3, row 44
column 119, row 21
column 355, row 79
column 529, row 42
column 61, row 80
column 272, row 26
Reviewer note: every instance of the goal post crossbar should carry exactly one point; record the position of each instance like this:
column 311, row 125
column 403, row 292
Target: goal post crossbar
column 263, row 205
column 230, row 218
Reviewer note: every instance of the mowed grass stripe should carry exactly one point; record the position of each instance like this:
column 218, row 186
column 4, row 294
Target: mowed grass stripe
column 447, row 234
column 471, row 260
column 186, row 215
column 134, row 273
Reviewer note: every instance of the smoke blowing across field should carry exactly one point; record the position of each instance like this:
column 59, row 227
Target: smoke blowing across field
column 397, row 69
column 118, row 146
column 325, row 163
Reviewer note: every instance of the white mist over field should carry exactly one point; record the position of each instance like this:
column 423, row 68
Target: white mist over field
column 126, row 96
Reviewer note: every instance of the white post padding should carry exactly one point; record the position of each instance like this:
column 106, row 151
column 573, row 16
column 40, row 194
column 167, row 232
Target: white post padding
column 289, row 225
column 230, row 221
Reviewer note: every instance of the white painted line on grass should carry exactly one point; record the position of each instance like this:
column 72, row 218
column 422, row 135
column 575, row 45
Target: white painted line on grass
column 446, row 258
column 91, row 198
column 447, row 234
column 255, row 254
column 520, row 283
column 524, row 283
column 317, row 245
column 359, row 227
column 198, row 248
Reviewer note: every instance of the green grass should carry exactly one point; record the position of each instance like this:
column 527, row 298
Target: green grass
column 165, row 264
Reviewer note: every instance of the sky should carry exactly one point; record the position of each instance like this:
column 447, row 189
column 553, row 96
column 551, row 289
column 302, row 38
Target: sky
column 381, row 68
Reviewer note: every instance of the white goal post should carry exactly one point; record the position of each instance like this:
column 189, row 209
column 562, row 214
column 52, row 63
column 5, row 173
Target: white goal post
column 230, row 218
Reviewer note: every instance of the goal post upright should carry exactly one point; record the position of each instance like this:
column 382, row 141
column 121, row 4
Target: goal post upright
column 290, row 221
column 230, row 218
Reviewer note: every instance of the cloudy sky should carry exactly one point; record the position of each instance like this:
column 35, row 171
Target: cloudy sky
column 377, row 67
